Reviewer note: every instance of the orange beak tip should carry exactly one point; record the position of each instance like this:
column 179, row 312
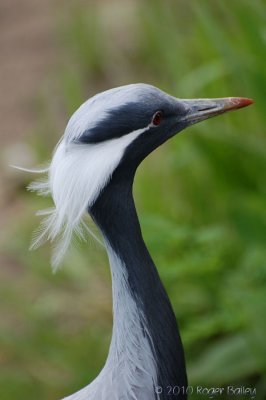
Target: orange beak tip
column 243, row 102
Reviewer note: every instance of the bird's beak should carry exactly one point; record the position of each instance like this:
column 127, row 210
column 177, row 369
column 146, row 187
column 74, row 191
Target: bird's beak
column 200, row 109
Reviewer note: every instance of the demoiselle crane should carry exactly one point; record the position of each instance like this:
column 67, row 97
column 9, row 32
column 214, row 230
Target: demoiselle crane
column 92, row 170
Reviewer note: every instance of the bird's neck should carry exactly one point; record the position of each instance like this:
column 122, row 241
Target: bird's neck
column 145, row 328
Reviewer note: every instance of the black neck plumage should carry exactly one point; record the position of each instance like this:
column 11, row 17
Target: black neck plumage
column 115, row 214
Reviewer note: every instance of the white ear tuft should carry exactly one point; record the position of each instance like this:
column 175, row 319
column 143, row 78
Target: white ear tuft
column 75, row 177
column 69, row 182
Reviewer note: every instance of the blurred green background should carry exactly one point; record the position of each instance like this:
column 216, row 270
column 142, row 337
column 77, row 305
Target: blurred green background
column 201, row 198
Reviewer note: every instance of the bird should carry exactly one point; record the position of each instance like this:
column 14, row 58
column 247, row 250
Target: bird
column 92, row 171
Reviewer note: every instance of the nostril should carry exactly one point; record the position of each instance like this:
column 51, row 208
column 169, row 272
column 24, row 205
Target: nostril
column 206, row 108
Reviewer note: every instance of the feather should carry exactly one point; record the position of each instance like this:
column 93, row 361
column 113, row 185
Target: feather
column 75, row 177
column 36, row 170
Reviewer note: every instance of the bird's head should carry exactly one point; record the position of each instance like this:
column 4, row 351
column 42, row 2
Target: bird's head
column 138, row 118
column 115, row 129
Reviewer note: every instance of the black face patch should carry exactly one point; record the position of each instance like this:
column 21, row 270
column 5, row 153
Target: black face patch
column 118, row 122
column 130, row 117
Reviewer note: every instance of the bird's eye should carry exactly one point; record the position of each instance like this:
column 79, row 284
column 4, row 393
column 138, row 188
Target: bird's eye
column 157, row 118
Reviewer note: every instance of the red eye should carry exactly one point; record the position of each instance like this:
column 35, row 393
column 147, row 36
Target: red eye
column 157, row 118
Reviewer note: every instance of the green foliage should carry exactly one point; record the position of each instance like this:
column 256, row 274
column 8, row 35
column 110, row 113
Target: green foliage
column 201, row 200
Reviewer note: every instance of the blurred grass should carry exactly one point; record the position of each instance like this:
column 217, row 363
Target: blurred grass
column 201, row 200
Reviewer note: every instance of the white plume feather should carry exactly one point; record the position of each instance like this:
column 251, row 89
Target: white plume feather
column 75, row 177
column 36, row 170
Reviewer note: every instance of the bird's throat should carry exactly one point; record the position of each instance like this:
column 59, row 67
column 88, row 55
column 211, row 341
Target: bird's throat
column 137, row 289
